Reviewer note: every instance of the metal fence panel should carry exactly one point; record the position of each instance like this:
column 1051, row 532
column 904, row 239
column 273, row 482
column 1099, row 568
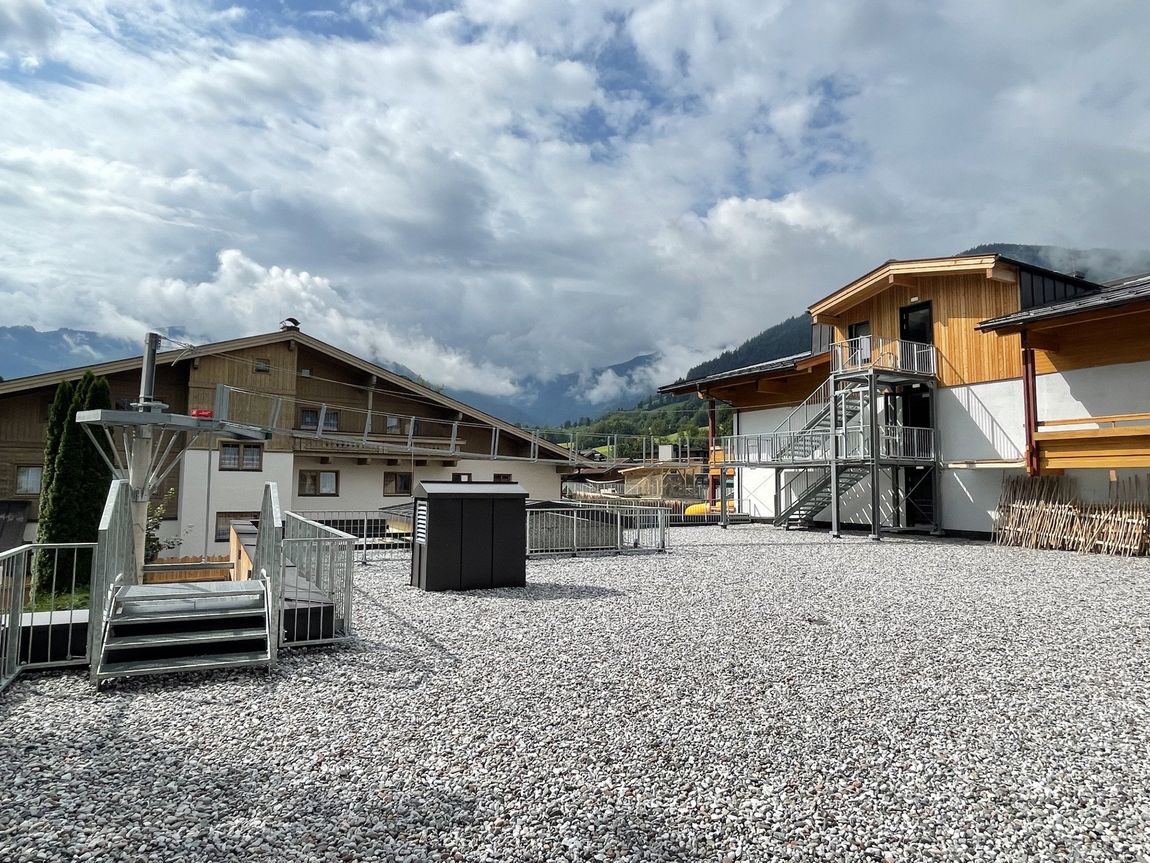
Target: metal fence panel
column 316, row 583
column 592, row 529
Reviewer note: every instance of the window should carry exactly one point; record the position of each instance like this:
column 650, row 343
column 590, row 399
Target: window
column 241, row 456
column 502, row 477
column 396, row 483
column 318, row 483
column 461, row 477
column 28, row 479
column 309, row 419
column 263, row 365
column 393, row 425
column 224, row 522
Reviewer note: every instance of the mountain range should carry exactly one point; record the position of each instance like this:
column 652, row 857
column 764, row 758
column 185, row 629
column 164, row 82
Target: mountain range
column 577, row 396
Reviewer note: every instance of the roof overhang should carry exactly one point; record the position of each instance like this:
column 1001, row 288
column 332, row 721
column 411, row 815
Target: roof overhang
column 1045, row 319
column 763, row 375
column 994, row 267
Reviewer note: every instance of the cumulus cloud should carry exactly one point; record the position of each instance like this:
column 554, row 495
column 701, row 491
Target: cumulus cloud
column 27, row 27
column 497, row 189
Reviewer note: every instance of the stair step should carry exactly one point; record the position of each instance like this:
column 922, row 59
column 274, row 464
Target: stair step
column 191, row 590
column 191, row 663
column 168, row 639
column 181, row 615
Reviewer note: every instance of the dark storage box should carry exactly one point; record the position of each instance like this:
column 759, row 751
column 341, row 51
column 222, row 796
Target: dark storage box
column 469, row 535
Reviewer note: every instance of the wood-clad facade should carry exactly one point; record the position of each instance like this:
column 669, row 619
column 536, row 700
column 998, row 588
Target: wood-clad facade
column 958, row 303
column 288, row 381
column 1020, row 369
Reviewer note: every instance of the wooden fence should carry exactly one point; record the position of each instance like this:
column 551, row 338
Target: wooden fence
column 1045, row 512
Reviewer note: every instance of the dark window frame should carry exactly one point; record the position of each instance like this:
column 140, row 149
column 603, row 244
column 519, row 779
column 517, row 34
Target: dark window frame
column 242, row 448
column 318, row 483
column 262, row 366
column 39, row 484
column 330, row 420
column 461, row 477
column 397, row 491
column 229, row 517
column 506, row 477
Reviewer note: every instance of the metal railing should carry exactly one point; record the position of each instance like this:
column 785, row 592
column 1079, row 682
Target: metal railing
column 114, row 568
column 380, row 534
column 44, row 599
column 875, row 352
column 576, row 530
column 267, row 564
column 813, row 446
column 316, row 581
column 908, row 443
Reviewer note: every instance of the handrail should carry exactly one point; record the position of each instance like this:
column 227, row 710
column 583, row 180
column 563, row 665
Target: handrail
column 874, row 352
column 1110, row 419
column 821, row 396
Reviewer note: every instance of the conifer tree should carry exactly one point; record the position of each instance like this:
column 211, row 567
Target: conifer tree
column 73, row 501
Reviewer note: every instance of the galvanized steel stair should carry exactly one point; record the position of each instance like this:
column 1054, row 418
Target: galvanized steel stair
column 809, row 444
column 192, row 626
column 818, row 497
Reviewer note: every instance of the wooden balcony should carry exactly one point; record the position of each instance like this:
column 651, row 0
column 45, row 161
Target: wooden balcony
column 1115, row 441
column 335, row 443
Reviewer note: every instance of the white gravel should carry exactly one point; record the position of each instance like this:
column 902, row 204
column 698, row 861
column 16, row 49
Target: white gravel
column 754, row 695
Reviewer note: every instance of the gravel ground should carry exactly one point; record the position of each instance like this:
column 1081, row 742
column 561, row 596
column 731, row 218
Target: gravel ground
column 754, row 695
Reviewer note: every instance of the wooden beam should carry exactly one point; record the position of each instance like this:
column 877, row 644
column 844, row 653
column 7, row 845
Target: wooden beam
column 1107, row 418
column 901, row 282
column 771, row 387
column 822, row 318
column 1040, row 341
column 1002, row 273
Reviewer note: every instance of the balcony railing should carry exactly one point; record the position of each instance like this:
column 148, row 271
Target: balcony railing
column 896, row 443
column 896, row 355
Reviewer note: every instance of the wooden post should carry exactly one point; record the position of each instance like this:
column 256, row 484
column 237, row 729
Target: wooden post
column 712, row 428
column 1030, row 407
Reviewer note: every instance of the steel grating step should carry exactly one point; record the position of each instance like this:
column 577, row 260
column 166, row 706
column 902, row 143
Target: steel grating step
column 170, row 639
column 184, row 615
column 191, row 663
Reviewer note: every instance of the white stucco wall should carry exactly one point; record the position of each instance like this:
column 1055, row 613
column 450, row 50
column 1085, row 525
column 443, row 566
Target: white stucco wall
column 1118, row 389
column 981, row 422
column 360, row 488
column 231, row 491
column 755, row 487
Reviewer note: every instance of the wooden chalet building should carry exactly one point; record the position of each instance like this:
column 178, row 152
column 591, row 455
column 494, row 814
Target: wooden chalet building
column 350, row 435
column 928, row 381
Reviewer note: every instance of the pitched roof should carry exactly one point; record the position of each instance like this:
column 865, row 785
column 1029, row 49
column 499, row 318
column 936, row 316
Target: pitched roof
column 874, row 282
column 29, row 382
column 780, row 364
column 1121, row 292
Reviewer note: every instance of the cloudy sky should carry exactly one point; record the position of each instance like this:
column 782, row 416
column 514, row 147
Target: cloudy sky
column 487, row 189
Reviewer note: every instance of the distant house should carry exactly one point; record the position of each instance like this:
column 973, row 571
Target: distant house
column 334, row 414
column 929, row 381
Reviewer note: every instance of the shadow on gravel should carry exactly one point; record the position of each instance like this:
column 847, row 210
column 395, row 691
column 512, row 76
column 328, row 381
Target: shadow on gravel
column 546, row 591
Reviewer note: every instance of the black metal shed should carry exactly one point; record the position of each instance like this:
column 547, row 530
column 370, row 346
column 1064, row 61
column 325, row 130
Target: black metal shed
column 469, row 535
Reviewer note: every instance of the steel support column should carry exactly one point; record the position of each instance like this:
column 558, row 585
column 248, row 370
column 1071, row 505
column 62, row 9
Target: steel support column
column 936, row 480
column 875, row 470
column 834, row 415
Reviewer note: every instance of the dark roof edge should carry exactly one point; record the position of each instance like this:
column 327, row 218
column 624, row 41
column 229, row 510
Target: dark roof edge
column 681, row 387
column 1054, row 274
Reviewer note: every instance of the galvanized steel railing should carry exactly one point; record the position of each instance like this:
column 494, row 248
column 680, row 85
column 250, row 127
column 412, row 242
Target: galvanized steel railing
column 379, row 533
column 114, row 568
column 317, row 572
column 576, row 530
column 44, row 600
column 905, row 443
column 874, row 352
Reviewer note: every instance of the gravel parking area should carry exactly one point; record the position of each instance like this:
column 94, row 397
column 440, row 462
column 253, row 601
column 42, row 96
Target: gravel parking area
column 754, row 695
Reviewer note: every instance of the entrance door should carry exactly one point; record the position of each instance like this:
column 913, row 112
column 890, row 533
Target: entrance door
column 918, row 481
column 916, row 324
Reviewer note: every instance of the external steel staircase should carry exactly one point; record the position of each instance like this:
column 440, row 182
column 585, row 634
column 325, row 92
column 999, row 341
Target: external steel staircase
column 192, row 626
column 817, row 497
column 811, row 441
